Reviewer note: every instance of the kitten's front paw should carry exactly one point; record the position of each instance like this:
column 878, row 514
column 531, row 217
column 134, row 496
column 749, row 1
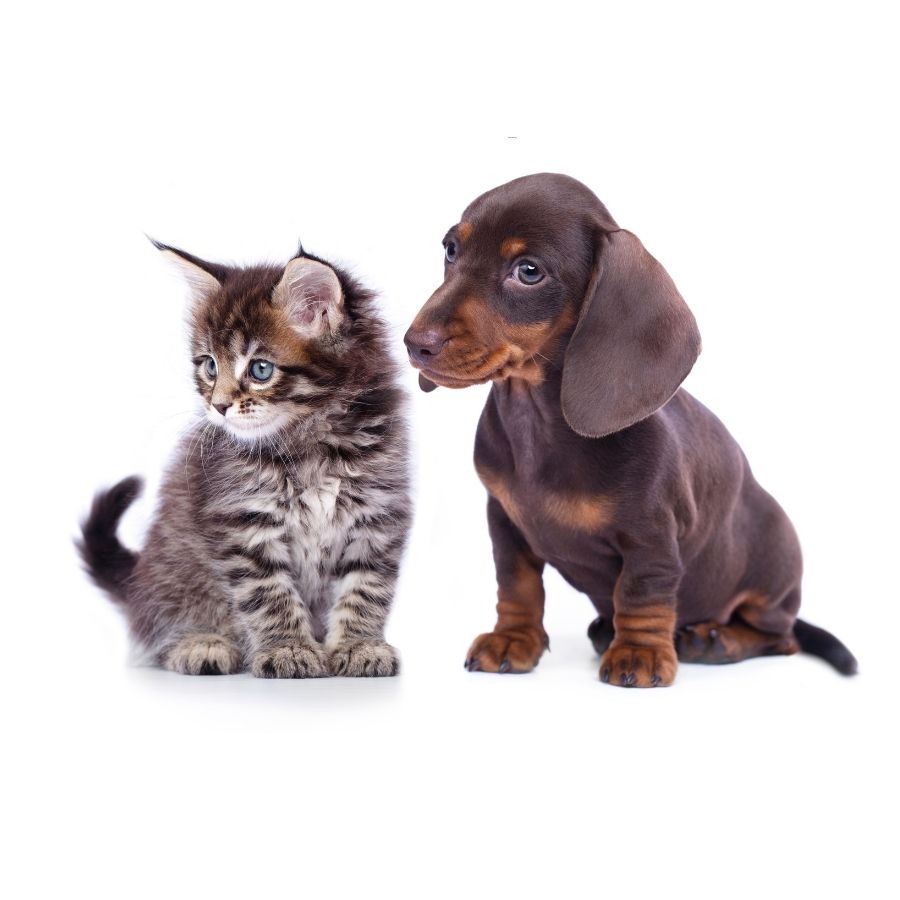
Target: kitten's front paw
column 299, row 660
column 362, row 658
column 203, row 654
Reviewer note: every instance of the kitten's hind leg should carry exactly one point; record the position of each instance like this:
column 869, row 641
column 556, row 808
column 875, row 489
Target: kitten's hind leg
column 203, row 654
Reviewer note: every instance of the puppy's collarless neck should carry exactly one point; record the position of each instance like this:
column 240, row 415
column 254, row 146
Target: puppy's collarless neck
column 517, row 398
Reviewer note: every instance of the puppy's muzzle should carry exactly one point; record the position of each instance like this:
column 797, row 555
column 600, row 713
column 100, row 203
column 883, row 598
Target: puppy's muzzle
column 424, row 346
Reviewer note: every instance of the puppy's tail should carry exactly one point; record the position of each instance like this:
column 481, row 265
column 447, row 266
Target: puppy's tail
column 821, row 643
column 106, row 559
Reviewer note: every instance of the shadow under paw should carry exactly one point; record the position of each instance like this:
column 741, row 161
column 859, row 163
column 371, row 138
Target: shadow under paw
column 363, row 659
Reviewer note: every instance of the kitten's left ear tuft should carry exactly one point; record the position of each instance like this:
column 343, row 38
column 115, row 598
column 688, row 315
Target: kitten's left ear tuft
column 311, row 295
column 197, row 272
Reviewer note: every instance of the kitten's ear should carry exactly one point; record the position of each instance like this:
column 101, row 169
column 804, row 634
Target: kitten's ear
column 203, row 278
column 310, row 293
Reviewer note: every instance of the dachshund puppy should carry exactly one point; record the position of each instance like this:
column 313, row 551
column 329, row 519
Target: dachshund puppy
column 595, row 461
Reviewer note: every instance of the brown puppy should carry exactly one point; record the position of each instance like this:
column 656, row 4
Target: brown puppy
column 594, row 460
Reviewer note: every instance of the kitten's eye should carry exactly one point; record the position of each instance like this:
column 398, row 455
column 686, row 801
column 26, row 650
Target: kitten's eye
column 261, row 369
column 210, row 367
column 528, row 273
column 450, row 251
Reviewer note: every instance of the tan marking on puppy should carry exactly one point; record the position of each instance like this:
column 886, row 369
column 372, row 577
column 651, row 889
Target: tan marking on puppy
column 744, row 604
column 483, row 346
column 642, row 653
column 580, row 512
column 514, row 650
column 530, row 346
column 518, row 639
column 499, row 489
column 467, row 317
column 512, row 247
column 713, row 642
column 464, row 230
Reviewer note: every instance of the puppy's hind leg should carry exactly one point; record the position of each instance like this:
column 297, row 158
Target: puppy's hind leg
column 757, row 627
column 601, row 633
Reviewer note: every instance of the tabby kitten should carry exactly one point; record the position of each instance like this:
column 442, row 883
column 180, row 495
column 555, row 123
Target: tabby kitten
column 285, row 511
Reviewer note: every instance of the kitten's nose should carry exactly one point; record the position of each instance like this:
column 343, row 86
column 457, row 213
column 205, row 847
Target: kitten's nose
column 221, row 407
column 424, row 344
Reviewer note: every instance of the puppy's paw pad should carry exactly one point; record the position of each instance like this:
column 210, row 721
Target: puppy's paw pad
column 363, row 659
column 628, row 666
column 298, row 660
column 515, row 651
column 204, row 654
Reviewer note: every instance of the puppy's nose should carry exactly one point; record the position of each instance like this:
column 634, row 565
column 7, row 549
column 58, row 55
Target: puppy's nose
column 221, row 407
column 425, row 344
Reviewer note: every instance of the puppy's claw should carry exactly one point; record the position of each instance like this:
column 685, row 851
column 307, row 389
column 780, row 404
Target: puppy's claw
column 604, row 674
column 504, row 666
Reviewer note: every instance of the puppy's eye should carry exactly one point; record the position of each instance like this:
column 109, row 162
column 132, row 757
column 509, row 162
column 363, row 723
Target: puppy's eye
column 450, row 251
column 261, row 369
column 528, row 273
column 210, row 368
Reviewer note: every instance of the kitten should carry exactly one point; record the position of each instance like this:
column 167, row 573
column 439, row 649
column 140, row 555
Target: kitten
column 285, row 511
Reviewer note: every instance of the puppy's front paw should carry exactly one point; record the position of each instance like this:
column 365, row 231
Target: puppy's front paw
column 297, row 660
column 513, row 650
column 632, row 666
column 363, row 658
column 203, row 654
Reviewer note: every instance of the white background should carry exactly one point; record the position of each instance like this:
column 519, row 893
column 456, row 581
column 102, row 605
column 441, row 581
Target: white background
column 754, row 151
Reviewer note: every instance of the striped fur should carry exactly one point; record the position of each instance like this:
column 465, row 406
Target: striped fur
column 278, row 537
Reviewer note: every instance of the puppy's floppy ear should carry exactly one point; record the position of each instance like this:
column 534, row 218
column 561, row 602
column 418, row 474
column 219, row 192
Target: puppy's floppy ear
column 635, row 341
column 310, row 293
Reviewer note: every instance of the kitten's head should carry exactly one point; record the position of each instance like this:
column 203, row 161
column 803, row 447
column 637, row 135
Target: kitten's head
column 270, row 344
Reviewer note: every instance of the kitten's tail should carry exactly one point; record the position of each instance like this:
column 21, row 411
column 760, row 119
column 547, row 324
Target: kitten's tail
column 107, row 560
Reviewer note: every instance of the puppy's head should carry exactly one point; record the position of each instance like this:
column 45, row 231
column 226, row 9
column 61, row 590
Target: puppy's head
column 537, row 276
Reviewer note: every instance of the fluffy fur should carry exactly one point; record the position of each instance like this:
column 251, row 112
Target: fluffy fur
column 285, row 511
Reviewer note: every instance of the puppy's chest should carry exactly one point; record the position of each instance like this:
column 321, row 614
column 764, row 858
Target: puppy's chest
column 561, row 523
column 564, row 518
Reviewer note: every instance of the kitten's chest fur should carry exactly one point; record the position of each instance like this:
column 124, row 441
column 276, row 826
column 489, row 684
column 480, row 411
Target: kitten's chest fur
column 307, row 508
column 316, row 516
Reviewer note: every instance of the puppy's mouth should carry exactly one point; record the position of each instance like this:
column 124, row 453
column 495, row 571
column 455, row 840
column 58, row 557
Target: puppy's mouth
column 485, row 369
column 429, row 379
